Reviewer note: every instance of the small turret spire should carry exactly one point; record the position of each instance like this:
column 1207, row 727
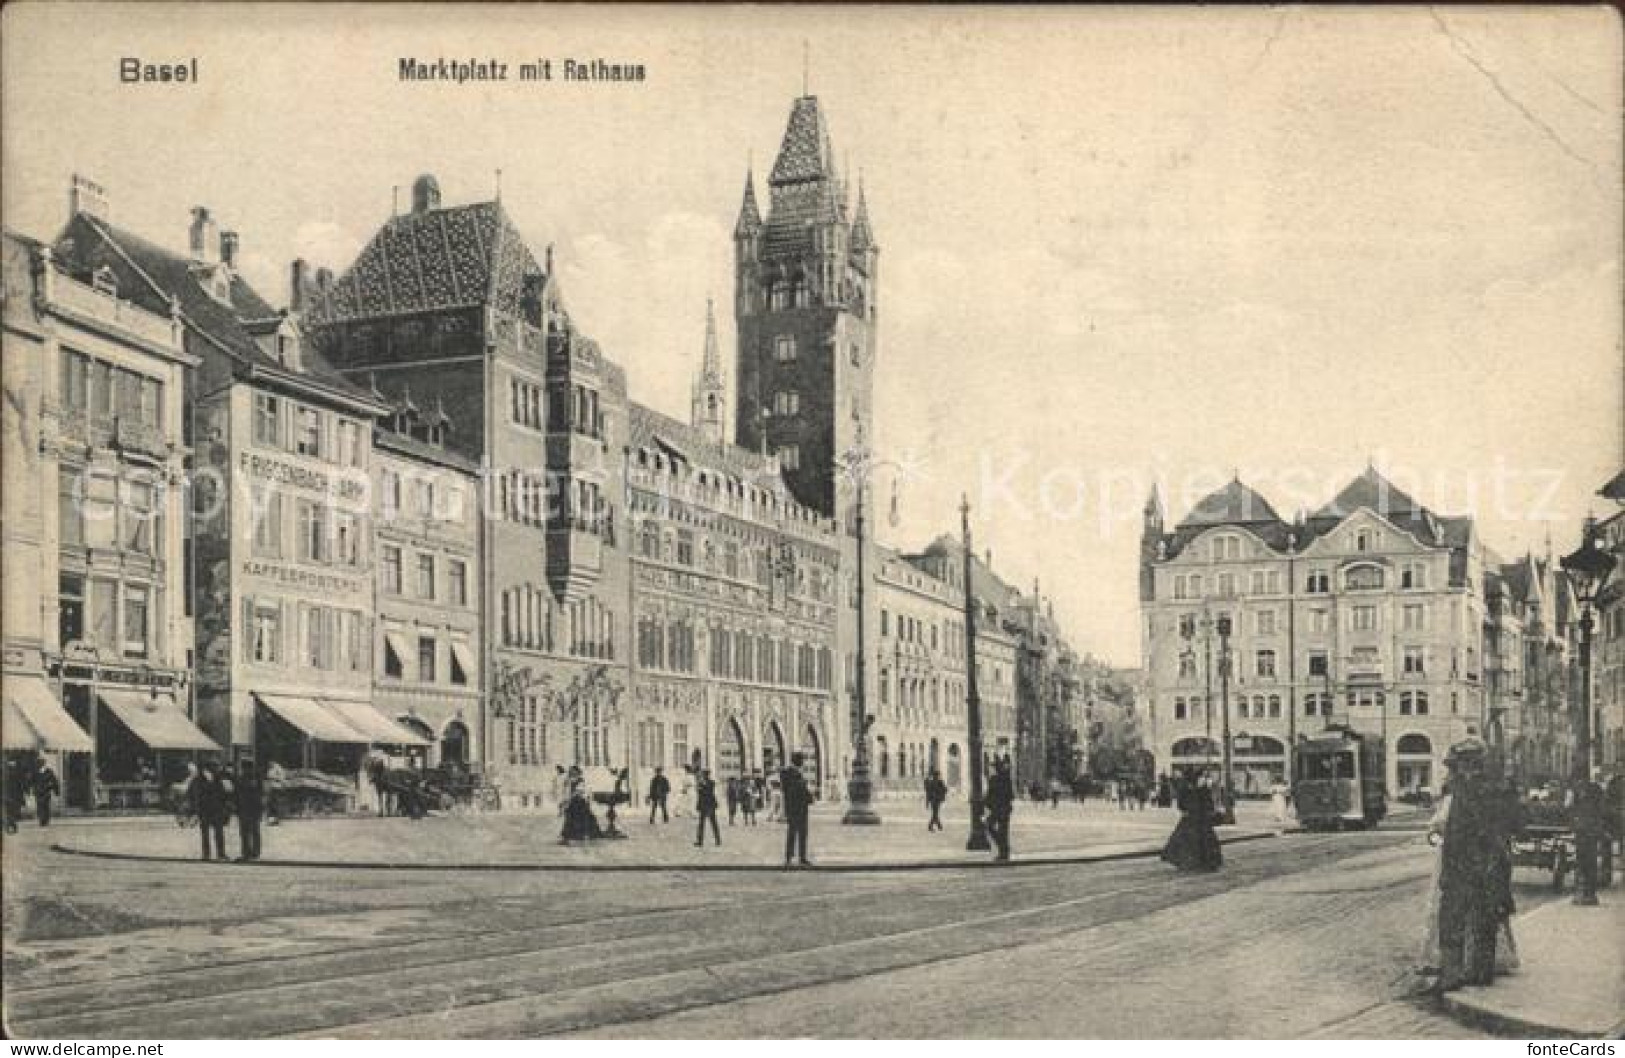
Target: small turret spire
column 863, row 237
column 750, row 218
column 710, row 392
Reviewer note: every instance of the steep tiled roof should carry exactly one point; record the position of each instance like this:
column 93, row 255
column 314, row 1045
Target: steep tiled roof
column 1375, row 493
column 437, row 259
column 159, row 275
column 1234, row 504
column 805, row 153
column 652, row 430
column 403, row 444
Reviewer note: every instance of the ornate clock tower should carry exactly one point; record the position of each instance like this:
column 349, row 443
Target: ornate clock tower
column 804, row 301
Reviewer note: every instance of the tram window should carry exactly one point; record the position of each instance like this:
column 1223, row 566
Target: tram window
column 1328, row 766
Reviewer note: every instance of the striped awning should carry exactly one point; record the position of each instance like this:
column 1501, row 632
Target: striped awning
column 156, row 720
column 380, row 729
column 316, row 720
column 34, row 719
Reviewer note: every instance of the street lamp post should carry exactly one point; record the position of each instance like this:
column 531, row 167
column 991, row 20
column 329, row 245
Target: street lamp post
column 860, row 809
column 1588, row 569
column 1229, row 813
column 978, row 840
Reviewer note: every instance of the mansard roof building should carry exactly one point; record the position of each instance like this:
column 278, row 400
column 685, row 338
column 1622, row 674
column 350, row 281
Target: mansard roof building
column 1370, row 611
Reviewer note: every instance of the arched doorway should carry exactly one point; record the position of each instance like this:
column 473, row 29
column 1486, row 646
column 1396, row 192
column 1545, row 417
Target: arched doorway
column 773, row 754
column 730, row 750
column 1414, row 763
column 953, row 766
column 1194, row 754
column 812, row 760
column 453, row 741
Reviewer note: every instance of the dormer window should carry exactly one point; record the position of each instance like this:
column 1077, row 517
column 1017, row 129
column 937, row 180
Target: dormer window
column 105, row 281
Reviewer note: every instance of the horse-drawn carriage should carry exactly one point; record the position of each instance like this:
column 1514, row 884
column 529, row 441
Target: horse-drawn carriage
column 1545, row 840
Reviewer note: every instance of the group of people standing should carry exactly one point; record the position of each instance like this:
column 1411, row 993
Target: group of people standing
column 792, row 802
column 218, row 793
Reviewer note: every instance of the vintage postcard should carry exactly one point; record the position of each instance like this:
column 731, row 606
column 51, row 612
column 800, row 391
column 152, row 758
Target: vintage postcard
column 764, row 522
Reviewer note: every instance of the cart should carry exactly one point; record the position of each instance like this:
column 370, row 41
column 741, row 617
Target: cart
column 1545, row 841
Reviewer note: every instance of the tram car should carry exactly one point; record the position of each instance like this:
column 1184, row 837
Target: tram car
column 1338, row 781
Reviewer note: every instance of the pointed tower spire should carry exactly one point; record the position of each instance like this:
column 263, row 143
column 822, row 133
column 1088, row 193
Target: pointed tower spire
column 863, row 237
column 750, row 218
column 709, row 406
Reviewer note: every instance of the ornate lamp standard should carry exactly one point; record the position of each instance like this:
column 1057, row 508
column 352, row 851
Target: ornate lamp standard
column 978, row 840
column 860, row 811
column 1588, row 569
column 1228, row 813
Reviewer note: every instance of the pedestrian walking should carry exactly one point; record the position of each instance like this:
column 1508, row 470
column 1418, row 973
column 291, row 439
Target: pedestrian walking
column 796, row 804
column 706, row 803
column 659, row 790
column 1001, row 802
column 17, row 781
column 250, row 799
column 46, row 787
column 732, row 793
column 1279, row 791
column 1588, row 815
column 936, row 791
column 1470, row 900
column 209, row 805
column 750, row 800
column 1142, row 794
column 1193, row 846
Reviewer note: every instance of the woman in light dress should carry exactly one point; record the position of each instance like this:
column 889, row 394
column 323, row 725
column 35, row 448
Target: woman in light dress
column 1279, row 792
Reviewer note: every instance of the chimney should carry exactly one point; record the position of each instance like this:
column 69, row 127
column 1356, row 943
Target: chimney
column 88, row 197
column 296, row 284
column 324, row 280
column 425, row 194
column 228, row 248
column 205, row 241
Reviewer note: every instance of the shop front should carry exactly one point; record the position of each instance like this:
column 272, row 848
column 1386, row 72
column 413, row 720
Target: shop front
column 36, row 728
column 144, row 742
column 316, row 750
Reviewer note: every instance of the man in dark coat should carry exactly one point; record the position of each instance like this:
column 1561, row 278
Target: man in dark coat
column 209, row 804
column 705, row 799
column 659, row 790
column 797, row 805
column 1001, row 802
column 733, row 798
column 1588, row 814
column 17, row 782
column 936, row 791
column 1470, row 898
column 46, row 787
column 249, row 795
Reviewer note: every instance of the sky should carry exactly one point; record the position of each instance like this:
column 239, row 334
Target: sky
column 1119, row 247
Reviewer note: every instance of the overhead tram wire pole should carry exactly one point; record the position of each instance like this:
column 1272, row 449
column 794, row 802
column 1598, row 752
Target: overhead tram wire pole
column 978, row 840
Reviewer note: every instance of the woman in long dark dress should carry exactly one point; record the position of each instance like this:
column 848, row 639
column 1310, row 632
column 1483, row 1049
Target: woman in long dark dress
column 579, row 822
column 1194, row 846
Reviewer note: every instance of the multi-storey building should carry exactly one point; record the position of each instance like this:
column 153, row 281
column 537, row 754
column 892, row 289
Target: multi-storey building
column 1369, row 613
column 450, row 301
column 1526, row 667
column 995, row 610
column 280, row 507
column 1608, row 641
column 734, row 600
column 427, row 637
column 98, row 640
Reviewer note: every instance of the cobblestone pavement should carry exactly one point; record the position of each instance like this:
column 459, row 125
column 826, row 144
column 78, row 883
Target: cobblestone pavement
column 1301, row 935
